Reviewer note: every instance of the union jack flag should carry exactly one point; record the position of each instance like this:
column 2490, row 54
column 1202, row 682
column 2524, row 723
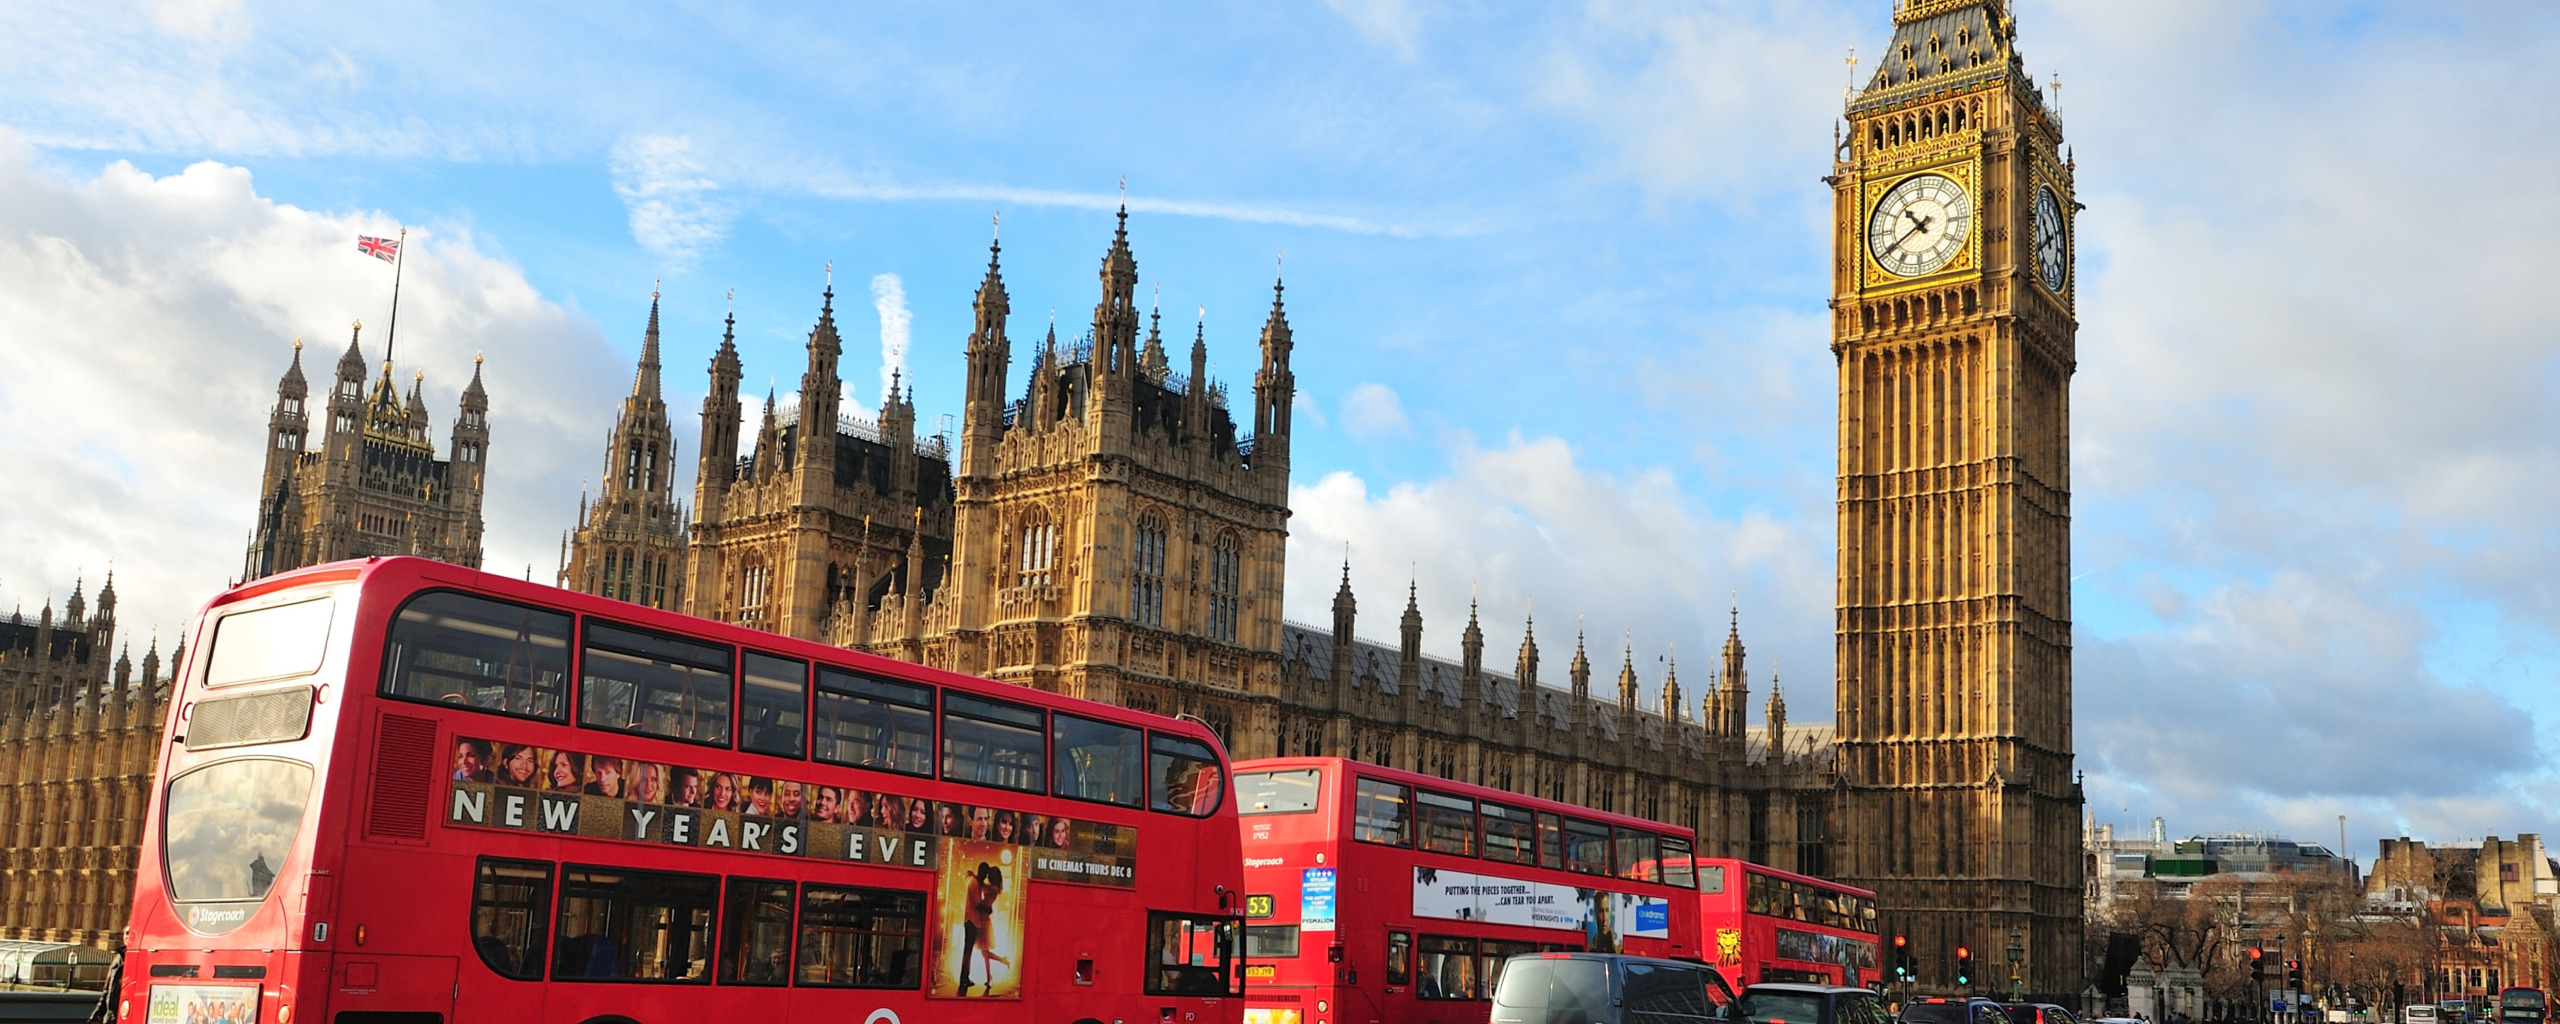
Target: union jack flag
column 385, row 249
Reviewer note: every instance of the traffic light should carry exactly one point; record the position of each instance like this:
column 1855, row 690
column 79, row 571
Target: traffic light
column 2257, row 965
column 1902, row 965
column 1964, row 966
column 2293, row 975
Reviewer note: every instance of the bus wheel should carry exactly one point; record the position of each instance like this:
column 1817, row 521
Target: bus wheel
column 608, row 1019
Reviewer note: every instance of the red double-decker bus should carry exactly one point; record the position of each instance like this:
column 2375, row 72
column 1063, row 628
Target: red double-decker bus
column 401, row 792
column 1767, row 925
column 1376, row 895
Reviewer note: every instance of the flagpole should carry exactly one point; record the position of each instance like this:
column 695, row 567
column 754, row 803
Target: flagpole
column 398, row 255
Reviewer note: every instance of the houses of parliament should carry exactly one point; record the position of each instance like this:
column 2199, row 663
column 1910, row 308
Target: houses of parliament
column 1110, row 523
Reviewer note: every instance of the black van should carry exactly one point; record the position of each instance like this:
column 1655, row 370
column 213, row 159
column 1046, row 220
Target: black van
column 1611, row 988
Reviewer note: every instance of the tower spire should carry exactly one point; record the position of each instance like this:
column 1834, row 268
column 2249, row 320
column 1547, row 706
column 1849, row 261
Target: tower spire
column 644, row 383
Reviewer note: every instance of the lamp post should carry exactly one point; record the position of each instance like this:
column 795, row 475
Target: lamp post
column 2017, row 956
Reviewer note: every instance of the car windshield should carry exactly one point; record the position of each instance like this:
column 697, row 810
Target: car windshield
column 1537, row 990
column 1786, row 1008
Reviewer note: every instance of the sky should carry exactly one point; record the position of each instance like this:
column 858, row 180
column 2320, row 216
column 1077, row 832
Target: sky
column 1556, row 274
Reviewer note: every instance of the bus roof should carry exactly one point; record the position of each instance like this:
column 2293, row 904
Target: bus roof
column 409, row 572
column 1410, row 778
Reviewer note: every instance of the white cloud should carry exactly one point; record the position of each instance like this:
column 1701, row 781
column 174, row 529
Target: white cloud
column 676, row 209
column 1372, row 412
column 147, row 320
column 1526, row 521
column 1393, row 24
column 889, row 296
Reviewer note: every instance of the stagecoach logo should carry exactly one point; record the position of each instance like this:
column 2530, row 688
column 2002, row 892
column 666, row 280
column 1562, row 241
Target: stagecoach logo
column 219, row 918
column 1265, row 862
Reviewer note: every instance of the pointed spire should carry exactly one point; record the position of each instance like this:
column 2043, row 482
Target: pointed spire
column 475, row 396
column 351, row 365
column 644, row 383
column 293, row 382
column 1627, row 696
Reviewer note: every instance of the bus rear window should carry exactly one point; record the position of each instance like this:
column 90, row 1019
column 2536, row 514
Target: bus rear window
column 1679, row 865
column 280, row 642
column 226, row 830
column 658, row 685
column 1289, row 792
column 454, row 648
column 1270, row 941
column 1382, row 812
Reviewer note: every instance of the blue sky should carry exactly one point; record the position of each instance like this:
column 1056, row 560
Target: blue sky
column 1556, row 276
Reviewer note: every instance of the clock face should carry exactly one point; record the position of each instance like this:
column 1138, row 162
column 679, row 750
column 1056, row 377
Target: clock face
column 1920, row 225
column 2053, row 251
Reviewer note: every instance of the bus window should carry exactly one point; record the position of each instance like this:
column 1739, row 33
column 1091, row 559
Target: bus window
column 618, row 925
column 1270, row 941
column 1639, row 856
column 658, row 685
column 1711, row 879
column 1399, row 958
column 226, row 828
column 1586, row 847
column 1183, row 776
column 1289, row 792
column 452, row 648
column 1550, row 840
column 1679, row 864
column 861, row 938
column 1379, row 814
column 993, row 744
column 1493, row 952
column 1447, row 969
column 1448, row 823
column 1097, row 761
column 1190, row 956
column 755, row 933
column 874, row 723
column 773, row 705
column 1510, row 834
column 511, row 917
column 276, row 642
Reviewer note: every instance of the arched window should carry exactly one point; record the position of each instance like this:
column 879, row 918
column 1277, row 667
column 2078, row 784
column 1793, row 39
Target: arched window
column 754, row 586
column 1226, row 586
column 1146, row 572
column 631, row 468
column 1039, row 558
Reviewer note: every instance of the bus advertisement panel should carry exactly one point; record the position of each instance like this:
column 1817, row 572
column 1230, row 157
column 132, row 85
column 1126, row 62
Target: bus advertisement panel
column 401, row 790
column 1379, row 894
column 1767, row 925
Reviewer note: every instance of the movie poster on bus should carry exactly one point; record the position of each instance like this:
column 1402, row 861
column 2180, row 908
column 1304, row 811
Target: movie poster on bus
column 1065, row 849
column 978, row 920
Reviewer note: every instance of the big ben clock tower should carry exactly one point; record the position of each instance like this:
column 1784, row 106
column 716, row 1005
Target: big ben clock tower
column 1952, row 323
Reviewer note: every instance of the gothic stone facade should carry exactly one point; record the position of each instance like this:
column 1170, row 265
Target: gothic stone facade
column 1111, row 531
column 1954, row 332
column 630, row 543
column 77, row 745
column 375, row 486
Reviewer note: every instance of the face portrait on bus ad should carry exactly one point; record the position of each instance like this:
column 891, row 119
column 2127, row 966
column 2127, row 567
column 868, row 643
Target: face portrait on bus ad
column 605, row 778
column 566, row 771
column 653, row 783
column 689, row 788
column 724, row 793
column 519, row 765
column 471, row 761
column 978, row 921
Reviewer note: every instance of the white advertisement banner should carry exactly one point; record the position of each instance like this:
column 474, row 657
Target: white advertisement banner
column 1602, row 917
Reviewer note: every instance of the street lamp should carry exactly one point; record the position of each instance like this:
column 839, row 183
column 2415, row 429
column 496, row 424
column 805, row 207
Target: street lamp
column 2017, row 956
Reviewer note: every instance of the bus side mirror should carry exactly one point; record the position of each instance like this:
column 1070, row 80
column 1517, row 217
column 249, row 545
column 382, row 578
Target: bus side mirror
column 1333, row 953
